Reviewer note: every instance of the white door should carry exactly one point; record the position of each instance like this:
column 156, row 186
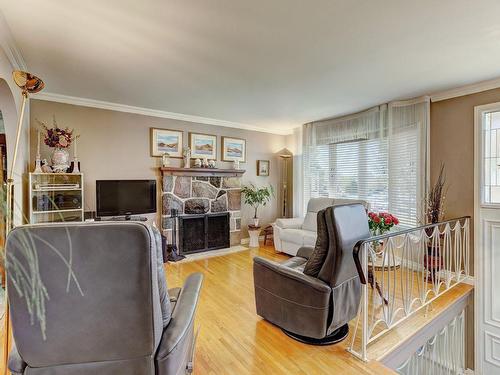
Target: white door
column 487, row 239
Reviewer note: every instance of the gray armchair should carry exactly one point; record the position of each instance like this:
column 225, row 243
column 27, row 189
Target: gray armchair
column 316, row 308
column 112, row 315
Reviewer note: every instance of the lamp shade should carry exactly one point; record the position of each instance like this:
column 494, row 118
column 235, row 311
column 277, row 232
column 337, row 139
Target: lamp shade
column 27, row 82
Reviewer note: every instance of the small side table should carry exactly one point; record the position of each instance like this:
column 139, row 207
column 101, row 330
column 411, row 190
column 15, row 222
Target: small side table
column 254, row 232
column 268, row 231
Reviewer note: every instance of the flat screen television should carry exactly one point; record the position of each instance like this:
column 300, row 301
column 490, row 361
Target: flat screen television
column 125, row 197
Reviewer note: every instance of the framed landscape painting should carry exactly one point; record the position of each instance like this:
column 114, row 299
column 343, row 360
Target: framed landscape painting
column 262, row 167
column 203, row 146
column 165, row 140
column 234, row 149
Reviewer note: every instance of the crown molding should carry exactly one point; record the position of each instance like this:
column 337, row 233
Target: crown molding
column 85, row 102
column 466, row 90
column 9, row 46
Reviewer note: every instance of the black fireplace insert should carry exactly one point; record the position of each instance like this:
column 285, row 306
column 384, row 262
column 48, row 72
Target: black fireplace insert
column 203, row 232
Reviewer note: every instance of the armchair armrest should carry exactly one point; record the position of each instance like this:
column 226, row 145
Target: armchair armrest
column 16, row 363
column 177, row 339
column 305, row 252
column 290, row 276
column 293, row 223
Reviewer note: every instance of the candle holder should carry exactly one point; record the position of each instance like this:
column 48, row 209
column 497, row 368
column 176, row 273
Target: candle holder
column 76, row 167
column 38, row 165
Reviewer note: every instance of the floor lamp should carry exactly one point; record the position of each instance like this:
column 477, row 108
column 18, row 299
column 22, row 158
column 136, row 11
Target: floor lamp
column 29, row 84
column 285, row 209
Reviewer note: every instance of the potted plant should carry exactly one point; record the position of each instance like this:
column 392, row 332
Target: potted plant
column 257, row 197
column 382, row 222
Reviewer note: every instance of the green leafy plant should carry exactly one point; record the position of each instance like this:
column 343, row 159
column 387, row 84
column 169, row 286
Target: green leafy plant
column 257, row 197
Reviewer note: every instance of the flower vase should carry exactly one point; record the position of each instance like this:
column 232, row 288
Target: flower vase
column 60, row 159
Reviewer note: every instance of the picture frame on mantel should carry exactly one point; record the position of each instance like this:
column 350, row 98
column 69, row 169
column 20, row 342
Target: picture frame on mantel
column 203, row 146
column 166, row 140
column 263, row 167
column 234, row 149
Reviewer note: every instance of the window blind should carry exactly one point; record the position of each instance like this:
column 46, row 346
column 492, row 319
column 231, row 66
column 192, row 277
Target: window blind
column 386, row 168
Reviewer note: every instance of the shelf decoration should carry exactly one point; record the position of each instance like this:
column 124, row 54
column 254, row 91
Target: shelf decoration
column 76, row 164
column 59, row 139
column 38, row 161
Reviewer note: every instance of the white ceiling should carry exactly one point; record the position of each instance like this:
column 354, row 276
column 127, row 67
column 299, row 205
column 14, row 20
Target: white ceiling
column 274, row 64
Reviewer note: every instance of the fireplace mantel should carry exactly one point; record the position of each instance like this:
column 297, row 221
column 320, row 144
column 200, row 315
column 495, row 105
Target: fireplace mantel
column 195, row 172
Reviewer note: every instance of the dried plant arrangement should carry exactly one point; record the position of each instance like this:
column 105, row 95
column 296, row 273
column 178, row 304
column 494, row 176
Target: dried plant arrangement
column 434, row 201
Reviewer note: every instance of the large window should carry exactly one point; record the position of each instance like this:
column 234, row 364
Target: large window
column 370, row 158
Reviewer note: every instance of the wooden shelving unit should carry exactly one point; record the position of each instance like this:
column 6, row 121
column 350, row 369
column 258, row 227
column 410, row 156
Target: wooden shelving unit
column 55, row 197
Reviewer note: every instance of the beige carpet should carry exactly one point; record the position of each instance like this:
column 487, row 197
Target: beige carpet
column 213, row 253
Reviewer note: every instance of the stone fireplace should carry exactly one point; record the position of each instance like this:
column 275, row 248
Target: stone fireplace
column 203, row 192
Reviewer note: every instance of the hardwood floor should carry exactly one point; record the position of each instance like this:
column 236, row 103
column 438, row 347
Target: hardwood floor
column 234, row 340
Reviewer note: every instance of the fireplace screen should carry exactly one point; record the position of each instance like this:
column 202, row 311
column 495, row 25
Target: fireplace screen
column 203, row 232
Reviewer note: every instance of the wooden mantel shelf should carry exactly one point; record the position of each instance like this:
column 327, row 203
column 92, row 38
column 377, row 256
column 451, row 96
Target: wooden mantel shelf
column 174, row 171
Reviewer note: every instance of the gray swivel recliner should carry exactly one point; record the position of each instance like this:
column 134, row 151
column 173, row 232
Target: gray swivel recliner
column 314, row 295
column 112, row 315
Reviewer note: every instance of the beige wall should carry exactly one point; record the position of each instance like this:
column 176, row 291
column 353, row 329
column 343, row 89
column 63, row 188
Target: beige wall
column 452, row 143
column 115, row 145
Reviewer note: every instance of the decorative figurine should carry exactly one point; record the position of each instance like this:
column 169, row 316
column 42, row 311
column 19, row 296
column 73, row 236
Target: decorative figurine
column 187, row 157
column 46, row 167
column 205, row 163
column 211, row 164
column 197, row 163
column 165, row 160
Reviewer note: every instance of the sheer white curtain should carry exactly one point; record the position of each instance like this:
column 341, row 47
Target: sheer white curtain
column 379, row 155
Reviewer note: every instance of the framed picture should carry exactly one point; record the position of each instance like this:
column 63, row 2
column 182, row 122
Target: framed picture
column 165, row 140
column 203, row 146
column 262, row 167
column 234, row 149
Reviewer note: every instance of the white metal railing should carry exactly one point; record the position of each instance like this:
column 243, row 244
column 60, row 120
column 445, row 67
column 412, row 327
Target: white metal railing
column 402, row 272
column 442, row 354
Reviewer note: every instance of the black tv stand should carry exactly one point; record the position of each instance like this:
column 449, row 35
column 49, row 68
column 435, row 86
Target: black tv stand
column 125, row 218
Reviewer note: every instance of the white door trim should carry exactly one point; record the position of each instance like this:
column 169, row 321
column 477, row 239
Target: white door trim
column 479, row 305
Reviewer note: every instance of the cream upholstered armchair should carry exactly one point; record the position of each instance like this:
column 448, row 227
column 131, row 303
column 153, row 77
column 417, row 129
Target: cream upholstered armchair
column 292, row 234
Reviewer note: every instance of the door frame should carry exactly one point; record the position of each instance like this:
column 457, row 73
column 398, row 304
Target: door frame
column 479, row 292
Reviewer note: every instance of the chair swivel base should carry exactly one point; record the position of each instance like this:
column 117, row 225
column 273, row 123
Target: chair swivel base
column 335, row 337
